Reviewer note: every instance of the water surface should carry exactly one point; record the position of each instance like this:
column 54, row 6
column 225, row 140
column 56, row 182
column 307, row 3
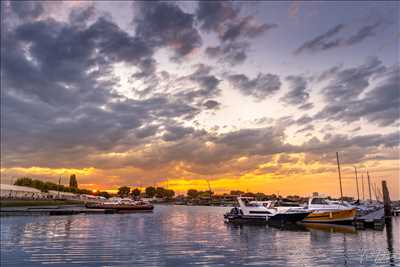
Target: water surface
column 187, row 236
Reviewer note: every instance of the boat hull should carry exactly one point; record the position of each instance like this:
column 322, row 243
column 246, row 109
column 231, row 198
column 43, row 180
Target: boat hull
column 334, row 217
column 243, row 219
column 283, row 218
column 280, row 218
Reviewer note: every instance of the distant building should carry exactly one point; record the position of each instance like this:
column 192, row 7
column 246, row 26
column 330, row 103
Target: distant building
column 20, row 192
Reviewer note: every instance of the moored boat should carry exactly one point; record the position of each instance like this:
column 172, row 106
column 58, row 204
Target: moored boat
column 250, row 211
column 323, row 211
column 122, row 205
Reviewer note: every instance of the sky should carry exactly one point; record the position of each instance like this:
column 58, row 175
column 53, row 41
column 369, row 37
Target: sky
column 254, row 96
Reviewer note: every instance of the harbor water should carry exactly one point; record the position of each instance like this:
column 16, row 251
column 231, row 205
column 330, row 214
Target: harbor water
column 188, row 236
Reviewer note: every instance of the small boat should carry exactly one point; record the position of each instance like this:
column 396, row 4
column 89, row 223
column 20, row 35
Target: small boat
column 122, row 205
column 326, row 211
column 251, row 211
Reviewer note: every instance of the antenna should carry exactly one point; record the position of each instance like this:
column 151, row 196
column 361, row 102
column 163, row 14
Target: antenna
column 340, row 176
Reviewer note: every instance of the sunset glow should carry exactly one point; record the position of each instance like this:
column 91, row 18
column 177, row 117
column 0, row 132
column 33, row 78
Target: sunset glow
column 246, row 96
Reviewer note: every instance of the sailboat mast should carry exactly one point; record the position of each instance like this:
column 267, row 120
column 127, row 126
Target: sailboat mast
column 340, row 176
column 358, row 192
column 362, row 180
column 369, row 186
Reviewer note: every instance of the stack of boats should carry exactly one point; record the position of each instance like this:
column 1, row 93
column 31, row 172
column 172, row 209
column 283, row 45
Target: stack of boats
column 318, row 210
column 121, row 205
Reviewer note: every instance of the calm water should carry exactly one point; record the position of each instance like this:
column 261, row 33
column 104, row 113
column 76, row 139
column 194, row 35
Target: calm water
column 184, row 236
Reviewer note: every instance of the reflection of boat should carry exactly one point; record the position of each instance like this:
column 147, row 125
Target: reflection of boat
column 262, row 212
column 325, row 212
column 122, row 205
column 331, row 228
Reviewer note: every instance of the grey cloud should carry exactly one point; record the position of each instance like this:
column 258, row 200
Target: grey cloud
column 79, row 16
column 297, row 94
column 325, row 42
column 322, row 42
column 213, row 14
column 207, row 85
column 380, row 105
column 245, row 28
column 232, row 29
column 350, row 83
column 174, row 132
column 212, row 104
column 259, row 87
column 27, row 9
column 363, row 33
column 164, row 24
column 231, row 53
column 60, row 104
column 225, row 20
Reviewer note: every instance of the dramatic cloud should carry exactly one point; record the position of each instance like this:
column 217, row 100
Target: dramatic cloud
column 259, row 87
column 163, row 24
column 380, row 105
column 349, row 83
column 144, row 91
column 233, row 30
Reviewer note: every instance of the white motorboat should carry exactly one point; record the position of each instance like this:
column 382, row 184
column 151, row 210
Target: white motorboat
column 253, row 211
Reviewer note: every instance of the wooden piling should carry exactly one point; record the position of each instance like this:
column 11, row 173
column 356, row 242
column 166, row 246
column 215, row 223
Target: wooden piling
column 386, row 200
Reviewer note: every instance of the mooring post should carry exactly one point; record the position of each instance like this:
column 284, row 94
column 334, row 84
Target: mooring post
column 386, row 200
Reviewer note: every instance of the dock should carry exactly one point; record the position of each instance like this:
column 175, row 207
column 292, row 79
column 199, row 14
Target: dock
column 53, row 211
column 374, row 219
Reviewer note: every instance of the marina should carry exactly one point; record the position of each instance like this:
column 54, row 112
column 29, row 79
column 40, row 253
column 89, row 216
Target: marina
column 189, row 235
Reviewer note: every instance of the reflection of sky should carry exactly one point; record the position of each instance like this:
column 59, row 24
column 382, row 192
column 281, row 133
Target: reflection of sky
column 181, row 235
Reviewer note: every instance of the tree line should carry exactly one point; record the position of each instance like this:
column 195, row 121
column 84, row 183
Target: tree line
column 46, row 186
column 150, row 192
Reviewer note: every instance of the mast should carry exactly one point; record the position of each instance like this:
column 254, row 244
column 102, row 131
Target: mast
column 362, row 180
column 209, row 187
column 369, row 186
column 358, row 192
column 340, row 176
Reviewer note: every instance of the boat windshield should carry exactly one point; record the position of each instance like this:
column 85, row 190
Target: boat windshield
column 319, row 201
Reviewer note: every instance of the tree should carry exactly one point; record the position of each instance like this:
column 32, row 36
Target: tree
column 150, row 191
column 192, row 193
column 236, row 192
column 169, row 194
column 160, row 192
column 136, row 192
column 123, row 191
column 73, row 183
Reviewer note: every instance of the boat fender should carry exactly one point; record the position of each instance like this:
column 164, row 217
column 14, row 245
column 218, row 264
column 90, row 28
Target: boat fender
column 330, row 215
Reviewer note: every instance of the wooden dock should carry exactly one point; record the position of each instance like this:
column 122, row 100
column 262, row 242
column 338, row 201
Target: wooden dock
column 374, row 219
column 53, row 211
